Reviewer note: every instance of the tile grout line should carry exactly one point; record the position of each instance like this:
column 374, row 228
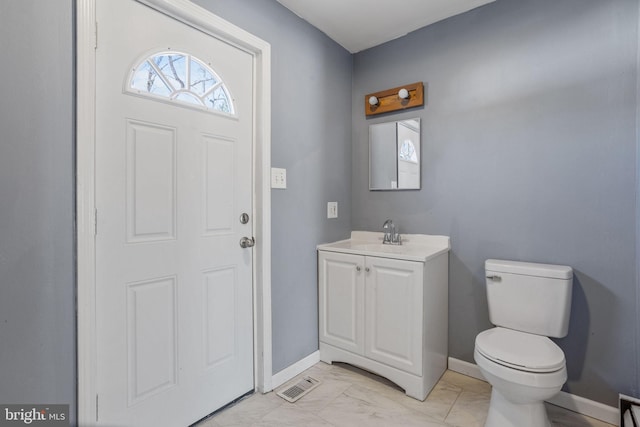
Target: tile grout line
column 330, row 402
column 451, row 407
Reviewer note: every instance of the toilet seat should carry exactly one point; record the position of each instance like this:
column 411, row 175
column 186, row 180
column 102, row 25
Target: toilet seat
column 520, row 350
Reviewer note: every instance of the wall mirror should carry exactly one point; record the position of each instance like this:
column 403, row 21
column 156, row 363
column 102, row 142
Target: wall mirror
column 394, row 155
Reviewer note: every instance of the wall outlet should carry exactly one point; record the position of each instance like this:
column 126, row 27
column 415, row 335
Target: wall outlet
column 278, row 178
column 332, row 209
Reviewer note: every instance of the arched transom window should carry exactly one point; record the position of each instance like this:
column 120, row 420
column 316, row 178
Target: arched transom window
column 183, row 78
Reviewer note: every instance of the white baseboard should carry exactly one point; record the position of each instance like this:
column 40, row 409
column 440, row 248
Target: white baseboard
column 587, row 407
column 465, row 368
column 300, row 366
column 569, row 401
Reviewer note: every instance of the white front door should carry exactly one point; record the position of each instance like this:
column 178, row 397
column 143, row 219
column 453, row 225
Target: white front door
column 174, row 326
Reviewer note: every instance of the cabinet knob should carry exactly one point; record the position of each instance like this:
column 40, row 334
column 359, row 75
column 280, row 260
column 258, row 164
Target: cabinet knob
column 358, row 268
column 367, row 269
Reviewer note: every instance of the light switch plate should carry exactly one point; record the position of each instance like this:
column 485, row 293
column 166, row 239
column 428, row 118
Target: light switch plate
column 332, row 209
column 278, row 178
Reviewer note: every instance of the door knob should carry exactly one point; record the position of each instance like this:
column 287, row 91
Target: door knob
column 247, row 242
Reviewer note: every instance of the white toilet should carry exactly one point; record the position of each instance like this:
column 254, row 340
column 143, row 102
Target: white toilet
column 528, row 303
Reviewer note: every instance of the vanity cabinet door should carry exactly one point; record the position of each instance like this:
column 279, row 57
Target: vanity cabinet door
column 341, row 300
column 394, row 292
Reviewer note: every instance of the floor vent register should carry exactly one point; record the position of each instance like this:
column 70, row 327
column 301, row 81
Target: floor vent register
column 629, row 411
column 299, row 389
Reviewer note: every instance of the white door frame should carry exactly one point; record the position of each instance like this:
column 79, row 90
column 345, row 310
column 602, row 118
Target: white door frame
column 86, row 39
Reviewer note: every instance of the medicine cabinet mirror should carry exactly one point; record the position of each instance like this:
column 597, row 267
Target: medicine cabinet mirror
column 394, row 155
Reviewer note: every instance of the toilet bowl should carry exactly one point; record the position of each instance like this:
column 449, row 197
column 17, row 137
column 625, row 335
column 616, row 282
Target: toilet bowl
column 528, row 303
column 519, row 391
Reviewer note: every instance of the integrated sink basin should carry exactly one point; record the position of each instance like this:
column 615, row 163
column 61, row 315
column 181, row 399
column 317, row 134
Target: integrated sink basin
column 414, row 247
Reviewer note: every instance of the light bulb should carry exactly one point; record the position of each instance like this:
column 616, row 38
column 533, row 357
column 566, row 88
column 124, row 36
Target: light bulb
column 403, row 93
column 373, row 101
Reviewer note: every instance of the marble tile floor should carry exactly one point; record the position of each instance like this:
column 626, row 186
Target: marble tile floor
column 350, row 397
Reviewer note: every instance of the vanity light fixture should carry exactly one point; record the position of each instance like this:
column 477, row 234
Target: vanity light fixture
column 397, row 98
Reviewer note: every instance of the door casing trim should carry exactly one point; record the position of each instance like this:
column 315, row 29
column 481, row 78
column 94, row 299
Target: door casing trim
column 86, row 43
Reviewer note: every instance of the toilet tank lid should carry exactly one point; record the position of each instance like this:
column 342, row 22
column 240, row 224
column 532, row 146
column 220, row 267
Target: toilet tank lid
column 552, row 271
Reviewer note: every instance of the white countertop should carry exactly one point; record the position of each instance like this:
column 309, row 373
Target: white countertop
column 414, row 247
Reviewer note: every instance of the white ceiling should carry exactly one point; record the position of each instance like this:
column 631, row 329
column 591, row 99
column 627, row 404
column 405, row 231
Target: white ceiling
column 360, row 24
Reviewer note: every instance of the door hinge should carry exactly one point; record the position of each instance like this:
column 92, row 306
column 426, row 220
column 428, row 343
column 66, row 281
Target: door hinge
column 95, row 223
column 95, row 37
column 96, row 408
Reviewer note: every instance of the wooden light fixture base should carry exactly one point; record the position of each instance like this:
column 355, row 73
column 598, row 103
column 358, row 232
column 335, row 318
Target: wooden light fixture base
column 388, row 100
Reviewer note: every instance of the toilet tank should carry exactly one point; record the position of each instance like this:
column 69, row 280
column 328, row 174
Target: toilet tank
column 529, row 297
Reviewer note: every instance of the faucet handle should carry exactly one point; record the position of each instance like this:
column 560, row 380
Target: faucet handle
column 397, row 239
column 389, row 230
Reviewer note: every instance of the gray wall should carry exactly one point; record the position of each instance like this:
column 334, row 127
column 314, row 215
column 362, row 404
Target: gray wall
column 638, row 214
column 529, row 153
column 311, row 134
column 37, row 301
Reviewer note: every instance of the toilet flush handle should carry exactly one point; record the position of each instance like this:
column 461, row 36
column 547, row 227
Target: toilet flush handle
column 495, row 278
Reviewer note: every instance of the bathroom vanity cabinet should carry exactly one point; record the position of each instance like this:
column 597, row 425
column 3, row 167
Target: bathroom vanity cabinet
column 384, row 308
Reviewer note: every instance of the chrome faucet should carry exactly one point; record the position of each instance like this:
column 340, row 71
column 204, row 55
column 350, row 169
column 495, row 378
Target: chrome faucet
column 391, row 235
